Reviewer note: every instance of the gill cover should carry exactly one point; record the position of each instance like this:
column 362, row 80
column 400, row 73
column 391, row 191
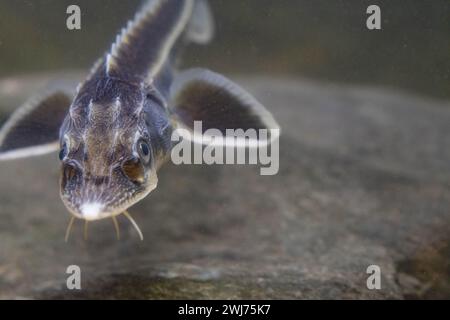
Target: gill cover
column 33, row 129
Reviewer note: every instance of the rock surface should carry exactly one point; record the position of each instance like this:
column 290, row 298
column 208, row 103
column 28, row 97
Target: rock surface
column 364, row 180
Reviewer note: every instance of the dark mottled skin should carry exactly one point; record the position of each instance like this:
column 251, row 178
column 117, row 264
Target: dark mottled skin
column 121, row 105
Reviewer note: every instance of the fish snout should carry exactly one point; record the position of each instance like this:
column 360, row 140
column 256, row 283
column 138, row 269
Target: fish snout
column 95, row 197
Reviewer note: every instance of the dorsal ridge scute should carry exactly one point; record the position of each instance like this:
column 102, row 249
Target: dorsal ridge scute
column 154, row 30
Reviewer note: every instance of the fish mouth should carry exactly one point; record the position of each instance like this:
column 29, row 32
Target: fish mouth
column 95, row 210
column 100, row 197
column 92, row 211
column 98, row 209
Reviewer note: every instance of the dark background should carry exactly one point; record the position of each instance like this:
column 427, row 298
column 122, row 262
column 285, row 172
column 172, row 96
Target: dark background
column 320, row 39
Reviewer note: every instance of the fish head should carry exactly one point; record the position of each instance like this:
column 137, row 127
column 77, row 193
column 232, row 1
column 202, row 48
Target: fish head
column 108, row 153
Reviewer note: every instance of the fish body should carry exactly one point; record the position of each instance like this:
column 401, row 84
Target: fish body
column 115, row 132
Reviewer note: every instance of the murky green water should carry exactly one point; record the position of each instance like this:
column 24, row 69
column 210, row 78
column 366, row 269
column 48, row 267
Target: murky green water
column 319, row 39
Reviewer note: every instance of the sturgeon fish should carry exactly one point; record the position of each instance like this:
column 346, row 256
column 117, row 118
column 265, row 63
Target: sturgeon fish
column 114, row 131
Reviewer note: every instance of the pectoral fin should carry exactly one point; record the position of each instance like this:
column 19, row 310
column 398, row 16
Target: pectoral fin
column 202, row 95
column 33, row 129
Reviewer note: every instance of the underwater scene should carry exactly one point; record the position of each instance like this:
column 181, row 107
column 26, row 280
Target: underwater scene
column 225, row 150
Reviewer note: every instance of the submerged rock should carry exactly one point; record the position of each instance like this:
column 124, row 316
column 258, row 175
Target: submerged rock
column 364, row 180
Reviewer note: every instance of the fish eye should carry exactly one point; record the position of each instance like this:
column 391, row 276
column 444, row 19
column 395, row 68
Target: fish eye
column 63, row 152
column 144, row 151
